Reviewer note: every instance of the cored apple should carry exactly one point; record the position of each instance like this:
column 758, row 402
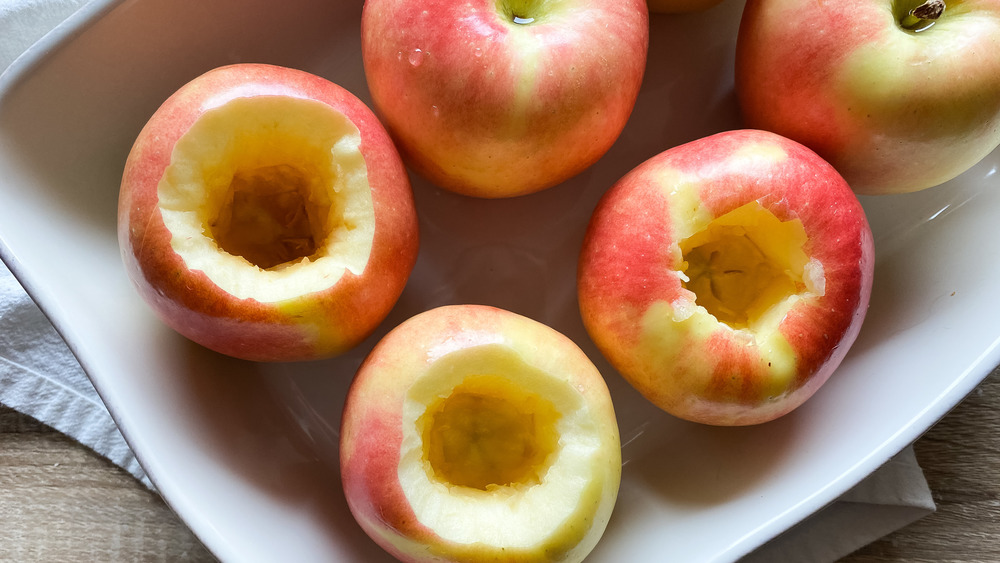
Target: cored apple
column 899, row 96
column 264, row 213
column 727, row 278
column 472, row 433
column 498, row 99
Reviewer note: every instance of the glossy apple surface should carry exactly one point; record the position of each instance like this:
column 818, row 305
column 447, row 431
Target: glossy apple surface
column 727, row 278
column 893, row 109
column 471, row 433
column 265, row 213
column 498, row 99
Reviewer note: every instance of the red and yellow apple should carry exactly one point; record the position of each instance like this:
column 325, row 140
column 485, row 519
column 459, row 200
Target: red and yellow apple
column 727, row 278
column 896, row 102
column 498, row 99
column 265, row 213
column 472, row 433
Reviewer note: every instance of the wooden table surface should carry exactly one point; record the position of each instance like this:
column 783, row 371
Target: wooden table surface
column 61, row 502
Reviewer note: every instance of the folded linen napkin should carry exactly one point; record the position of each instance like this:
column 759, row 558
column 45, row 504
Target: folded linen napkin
column 40, row 377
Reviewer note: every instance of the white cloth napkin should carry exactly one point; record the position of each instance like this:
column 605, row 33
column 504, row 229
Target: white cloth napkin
column 40, row 377
column 894, row 496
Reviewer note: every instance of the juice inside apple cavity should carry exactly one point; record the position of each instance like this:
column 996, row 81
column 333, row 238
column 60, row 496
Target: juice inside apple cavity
column 487, row 435
column 277, row 207
column 489, row 432
column 269, row 216
column 744, row 263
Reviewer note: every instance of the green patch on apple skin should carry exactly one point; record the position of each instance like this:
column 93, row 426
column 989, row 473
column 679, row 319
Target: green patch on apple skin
column 677, row 366
column 530, row 62
column 906, row 78
column 669, row 332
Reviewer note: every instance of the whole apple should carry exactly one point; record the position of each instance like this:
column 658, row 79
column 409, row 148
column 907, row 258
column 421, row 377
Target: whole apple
column 499, row 99
column 471, row 433
column 727, row 278
column 896, row 102
column 264, row 213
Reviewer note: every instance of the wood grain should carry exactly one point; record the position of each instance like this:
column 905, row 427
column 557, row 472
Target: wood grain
column 960, row 457
column 59, row 501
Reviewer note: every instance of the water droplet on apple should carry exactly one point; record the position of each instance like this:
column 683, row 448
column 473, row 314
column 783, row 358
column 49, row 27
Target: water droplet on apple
column 436, row 111
column 478, row 52
column 416, row 57
column 523, row 21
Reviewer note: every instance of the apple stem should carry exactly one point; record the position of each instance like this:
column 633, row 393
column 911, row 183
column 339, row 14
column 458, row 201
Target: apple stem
column 923, row 16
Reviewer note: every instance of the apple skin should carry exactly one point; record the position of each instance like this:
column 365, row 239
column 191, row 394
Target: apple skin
column 372, row 430
column 894, row 111
column 631, row 294
column 316, row 325
column 486, row 107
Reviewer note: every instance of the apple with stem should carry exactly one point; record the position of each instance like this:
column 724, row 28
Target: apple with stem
column 898, row 95
column 471, row 433
column 264, row 213
column 500, row 98
column 727, row 278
